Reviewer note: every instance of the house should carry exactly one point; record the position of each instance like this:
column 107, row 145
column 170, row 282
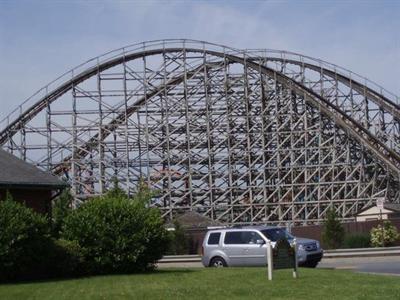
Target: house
column 389, row 211
column 28, row 184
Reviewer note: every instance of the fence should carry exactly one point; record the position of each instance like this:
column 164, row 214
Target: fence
column 196, row 235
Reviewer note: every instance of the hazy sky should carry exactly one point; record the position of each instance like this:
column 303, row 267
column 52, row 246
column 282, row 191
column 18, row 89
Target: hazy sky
column 39, row 40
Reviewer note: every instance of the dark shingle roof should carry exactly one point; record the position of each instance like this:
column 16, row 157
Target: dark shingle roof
column 15, row 172
column 191, row 219
column 392, row 206
column 395, row 207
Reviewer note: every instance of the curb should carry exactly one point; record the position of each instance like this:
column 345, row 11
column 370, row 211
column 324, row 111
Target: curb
column 361, row 254
column 376, row 249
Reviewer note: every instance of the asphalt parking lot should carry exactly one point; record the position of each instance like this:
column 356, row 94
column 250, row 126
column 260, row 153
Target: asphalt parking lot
column 389, row 265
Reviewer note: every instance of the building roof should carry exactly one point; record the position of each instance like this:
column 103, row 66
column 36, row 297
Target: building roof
column 394, row 207
column 195, row 219
column 191, row 219
column 16, row 173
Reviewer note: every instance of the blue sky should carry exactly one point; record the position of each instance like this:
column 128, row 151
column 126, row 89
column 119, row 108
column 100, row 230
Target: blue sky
column 39, row 40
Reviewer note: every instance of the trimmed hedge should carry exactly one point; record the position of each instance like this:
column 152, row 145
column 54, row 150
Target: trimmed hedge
column 357, row 240
column 117, row 234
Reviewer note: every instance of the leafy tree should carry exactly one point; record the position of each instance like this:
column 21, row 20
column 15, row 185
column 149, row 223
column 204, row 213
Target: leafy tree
column 116, row 191
column 333, row 231
column 144, row 193
column 117, row 234
column 386, row 235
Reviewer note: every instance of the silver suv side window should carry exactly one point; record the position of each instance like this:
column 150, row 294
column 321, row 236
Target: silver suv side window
column 213, row 239
column 241, row 237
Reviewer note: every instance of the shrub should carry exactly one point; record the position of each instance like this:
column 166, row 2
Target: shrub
column 60, row 210
column 333, row 231
column 117, row 234
column 24, row 239
column 64, row 259
column 357, row 240
column 386, row 235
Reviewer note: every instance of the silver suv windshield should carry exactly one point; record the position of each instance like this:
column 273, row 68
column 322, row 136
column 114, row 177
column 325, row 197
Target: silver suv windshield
column 274, row 234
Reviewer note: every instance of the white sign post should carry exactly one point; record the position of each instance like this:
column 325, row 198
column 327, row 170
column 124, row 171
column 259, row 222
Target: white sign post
column 295, row 259
column 269, row 260
column 379, row 203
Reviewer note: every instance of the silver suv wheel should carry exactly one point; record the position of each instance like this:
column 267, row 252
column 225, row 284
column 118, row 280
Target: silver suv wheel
column 218, row 262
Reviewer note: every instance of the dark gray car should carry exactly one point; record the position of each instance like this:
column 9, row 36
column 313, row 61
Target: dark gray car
column 246, row 246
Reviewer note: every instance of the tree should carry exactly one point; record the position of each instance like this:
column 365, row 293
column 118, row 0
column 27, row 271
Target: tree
column 333, row 231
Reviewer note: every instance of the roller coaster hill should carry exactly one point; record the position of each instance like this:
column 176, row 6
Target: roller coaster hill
column 239, row 136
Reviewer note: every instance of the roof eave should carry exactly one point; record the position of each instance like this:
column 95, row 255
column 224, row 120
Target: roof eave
column 31, row 185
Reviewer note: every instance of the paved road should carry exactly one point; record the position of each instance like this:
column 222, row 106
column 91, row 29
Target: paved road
column 380, row 265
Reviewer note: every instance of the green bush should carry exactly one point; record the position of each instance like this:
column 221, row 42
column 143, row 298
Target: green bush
column 64, row 259
column 24, row 240
column 333, row 231
column 62, row 207
column 117, row 234
column 386, row 236
column 357, row 240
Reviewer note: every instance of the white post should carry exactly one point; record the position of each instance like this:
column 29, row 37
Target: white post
column 295, row 275
column 269, row 260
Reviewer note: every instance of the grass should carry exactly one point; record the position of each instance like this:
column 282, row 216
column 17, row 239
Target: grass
column 229, row 283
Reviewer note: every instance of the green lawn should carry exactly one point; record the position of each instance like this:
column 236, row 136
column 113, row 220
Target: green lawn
column 238, row 283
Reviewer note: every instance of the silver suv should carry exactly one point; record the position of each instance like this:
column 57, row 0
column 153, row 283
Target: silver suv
column 246, row 246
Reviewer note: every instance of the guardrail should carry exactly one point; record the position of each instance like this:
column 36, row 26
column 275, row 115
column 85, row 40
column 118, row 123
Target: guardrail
column 362, row 252
column 180, row 259
column 328, row 254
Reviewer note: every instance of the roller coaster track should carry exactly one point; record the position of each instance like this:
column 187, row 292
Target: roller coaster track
column 366, row 120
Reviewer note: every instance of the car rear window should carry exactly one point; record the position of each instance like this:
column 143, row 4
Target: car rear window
column 213, row 239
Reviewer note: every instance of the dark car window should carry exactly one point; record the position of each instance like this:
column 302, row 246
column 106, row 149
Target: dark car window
column 234, row 237
column 213, row 239
column 275, row 234
column 242, row 237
